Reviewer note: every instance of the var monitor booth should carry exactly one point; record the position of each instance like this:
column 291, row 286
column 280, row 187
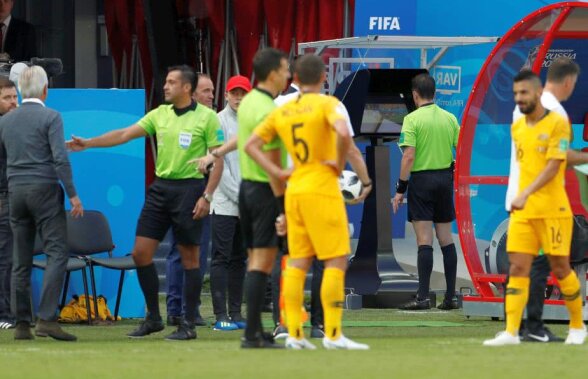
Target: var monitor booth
column 377, row 101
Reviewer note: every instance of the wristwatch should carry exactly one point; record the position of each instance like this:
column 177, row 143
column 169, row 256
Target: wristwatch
column 207, row 197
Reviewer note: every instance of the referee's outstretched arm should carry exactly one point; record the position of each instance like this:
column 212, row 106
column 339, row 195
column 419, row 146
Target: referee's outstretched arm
column 112, row 138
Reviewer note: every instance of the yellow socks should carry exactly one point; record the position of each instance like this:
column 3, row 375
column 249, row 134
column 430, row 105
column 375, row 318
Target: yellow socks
column 332, row 297
column 293, row 289
column 517, row 294
column 570, row 290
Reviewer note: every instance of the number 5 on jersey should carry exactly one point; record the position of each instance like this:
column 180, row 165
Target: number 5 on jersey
column 299, row 141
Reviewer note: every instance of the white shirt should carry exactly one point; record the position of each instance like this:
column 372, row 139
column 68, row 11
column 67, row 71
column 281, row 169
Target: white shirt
column 550, row 103
column 226, row 197
column 33, row 100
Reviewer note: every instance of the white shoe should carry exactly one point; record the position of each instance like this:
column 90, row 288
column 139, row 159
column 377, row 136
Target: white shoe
column 298, row 344
column 343, row 343
column 576, row 336
column 503, row 338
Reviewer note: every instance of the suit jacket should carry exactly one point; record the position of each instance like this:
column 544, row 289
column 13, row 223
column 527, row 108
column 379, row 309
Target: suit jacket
column 20, row 41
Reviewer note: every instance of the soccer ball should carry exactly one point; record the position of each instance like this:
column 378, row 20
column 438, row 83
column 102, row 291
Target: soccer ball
column 350, row 184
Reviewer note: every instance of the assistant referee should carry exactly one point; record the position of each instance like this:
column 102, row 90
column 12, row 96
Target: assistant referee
column 428, row 137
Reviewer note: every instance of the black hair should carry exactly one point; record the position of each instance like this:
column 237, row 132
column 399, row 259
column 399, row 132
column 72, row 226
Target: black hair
column 528, row 75
column 6, row 83
column 424, row 85
column 188, row 75
column 266, row 61
column 561, row 68
column 309, row 69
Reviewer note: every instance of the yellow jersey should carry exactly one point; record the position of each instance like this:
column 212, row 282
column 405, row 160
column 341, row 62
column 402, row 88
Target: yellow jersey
column 535, row 145
column 305, row 126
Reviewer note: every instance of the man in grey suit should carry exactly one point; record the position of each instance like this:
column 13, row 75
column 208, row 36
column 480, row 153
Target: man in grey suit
column 37, row 162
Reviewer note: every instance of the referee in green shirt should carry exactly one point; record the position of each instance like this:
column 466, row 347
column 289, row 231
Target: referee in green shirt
column 258, row 207
column 261, row 199
column 179, row 197
column 428, row 138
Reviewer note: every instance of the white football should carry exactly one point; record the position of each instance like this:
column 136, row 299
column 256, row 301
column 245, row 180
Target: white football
column 350, row 185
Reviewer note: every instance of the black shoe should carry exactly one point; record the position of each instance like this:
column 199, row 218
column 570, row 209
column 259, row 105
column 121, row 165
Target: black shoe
column 7, row 324
column 147, row 327
column 266, row 341
column 23, row 331
column 174, row 320
column 53, row 330
column 416, row 305
column 317, row 331
column 280, row 332
column 199, row 321
column 542, row 335
column 267, row 308
column 448, row 305
column 183, row 333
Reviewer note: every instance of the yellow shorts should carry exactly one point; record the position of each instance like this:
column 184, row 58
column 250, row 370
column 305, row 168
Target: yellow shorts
column 317, row 225
column 553, row 235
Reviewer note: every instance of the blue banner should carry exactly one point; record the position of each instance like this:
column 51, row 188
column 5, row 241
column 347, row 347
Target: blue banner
column 376, row 17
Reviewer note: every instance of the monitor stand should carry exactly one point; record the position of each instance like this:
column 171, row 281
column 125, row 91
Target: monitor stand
column 373, row 270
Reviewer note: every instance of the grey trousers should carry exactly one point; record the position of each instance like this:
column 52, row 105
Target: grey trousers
column 5, row 258
column 37, row 208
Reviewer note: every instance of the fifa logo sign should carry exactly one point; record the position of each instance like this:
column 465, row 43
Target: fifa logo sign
column 384, row 23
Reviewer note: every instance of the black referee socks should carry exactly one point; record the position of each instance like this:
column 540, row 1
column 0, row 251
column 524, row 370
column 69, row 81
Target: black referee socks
column 450, row 267
column 149, row 283
column 192, row 287
column 255, row 285
column 424, row 268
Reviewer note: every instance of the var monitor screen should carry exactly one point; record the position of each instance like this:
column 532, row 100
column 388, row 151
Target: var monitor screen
column 383, row 116
column 378, row 100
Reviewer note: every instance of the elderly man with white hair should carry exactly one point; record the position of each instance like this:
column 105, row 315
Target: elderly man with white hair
column 37, row 166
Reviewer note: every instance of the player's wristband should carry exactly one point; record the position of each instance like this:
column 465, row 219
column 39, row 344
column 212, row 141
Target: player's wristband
column 401, row 186
column 281, row 207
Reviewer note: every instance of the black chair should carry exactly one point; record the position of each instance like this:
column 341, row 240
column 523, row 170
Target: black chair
column 115, row 263
column 87, row 236
column 73, row 264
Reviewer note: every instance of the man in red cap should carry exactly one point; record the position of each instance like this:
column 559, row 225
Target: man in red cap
column 227, row 268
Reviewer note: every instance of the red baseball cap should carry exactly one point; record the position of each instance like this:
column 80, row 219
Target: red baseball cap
column 238, row 81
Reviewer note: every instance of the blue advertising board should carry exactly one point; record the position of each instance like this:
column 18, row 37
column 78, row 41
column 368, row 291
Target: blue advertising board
column 110, row 180
column 376, row 17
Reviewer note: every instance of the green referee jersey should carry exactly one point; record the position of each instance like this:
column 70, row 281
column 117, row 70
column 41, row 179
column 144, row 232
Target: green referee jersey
column 254, row 108
column 433, row 132
column 181, row 136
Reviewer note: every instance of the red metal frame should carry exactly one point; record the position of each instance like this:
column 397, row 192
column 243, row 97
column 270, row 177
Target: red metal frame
column 463, row 178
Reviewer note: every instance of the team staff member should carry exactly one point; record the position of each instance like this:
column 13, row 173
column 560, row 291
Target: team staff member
column 317, row 138
column 227, row 266
column 258, row 208
column 177, row 198
column 428, row 137
column 561, row 80
column 36, row 162
column 8, row 102
column 541, row 217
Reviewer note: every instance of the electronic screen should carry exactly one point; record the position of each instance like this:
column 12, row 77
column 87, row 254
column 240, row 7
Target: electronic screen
column 383, row 118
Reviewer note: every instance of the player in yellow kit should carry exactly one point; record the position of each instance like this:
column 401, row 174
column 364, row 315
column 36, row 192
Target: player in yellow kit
column 316, row 136
column 541, row 217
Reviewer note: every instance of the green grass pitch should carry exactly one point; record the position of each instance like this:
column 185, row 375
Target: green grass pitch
column 411, row 345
